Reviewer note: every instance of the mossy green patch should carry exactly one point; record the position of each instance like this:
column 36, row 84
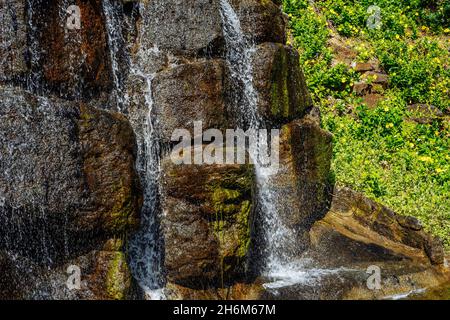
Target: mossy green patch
column 279, row 85
column 118, row 277
column 123, row 210
column 231, row 201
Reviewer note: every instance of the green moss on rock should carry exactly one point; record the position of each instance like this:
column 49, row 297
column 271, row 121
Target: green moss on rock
column 280, row 105
column 118, row 278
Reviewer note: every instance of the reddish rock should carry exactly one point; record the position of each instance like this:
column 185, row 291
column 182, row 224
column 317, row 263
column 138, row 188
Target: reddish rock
column 188, row 93
column 71, row 63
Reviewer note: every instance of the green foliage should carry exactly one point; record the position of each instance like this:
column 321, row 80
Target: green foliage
column 417, row 69
column 379, row 150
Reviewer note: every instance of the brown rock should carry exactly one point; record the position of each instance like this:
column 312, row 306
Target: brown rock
column 109, row 151
column 306, row 157
column 360, row 88
column 358, row 230
column 376, row 78
column 372, row 99
column 104, row 276
column 342, row 52
column 303, row 180
column 280, row 83
column 363, row 67
column 207, row 211
column 260, row 20
column 71, row 63
column 424, row 114
column 188, row 93
column 435, row 250
column 68, row 179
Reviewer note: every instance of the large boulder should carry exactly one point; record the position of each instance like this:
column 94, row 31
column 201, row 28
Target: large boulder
column 103, row 275
column 304, row 176
column 190, row 92
column 206, row 221
column 67, row 179
column 261, row 20
column 280, row 83
column 359, row 230
column 181, row 27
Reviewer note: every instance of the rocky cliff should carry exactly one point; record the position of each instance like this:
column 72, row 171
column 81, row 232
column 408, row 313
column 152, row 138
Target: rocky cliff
column 86, row 178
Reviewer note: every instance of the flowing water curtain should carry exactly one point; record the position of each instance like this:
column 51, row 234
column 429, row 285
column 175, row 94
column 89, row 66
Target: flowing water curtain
column 240, row 48
column 146, row 246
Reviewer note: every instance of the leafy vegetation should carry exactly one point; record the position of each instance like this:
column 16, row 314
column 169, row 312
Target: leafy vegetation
column 379, row 149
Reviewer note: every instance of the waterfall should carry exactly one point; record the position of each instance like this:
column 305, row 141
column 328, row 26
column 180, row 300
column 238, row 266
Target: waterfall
column 277, row 237
column 146, row 247
column 111, row 11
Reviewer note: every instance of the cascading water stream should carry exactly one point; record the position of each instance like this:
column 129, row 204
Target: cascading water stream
column 111, row 10
column 145, row 246
column 277, row 237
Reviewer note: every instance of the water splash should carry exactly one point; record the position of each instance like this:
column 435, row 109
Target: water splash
column 300, row 272
column 403, row 296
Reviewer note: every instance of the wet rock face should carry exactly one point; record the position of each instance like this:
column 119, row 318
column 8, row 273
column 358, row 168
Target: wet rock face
column 182, row 27
column 302, row 181
column 283, row 95
column 191, row 92
column 104, row 275
column 206, row 220
column 13, row 39
column 67, row 176
column 261, row 20
column 357, row 229
column 70, row 63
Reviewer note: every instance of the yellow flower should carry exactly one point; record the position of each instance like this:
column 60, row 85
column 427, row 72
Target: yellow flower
column 397, row 37
column 446, row 30
column 439, row 170
column 389, row 125
column 426, row 159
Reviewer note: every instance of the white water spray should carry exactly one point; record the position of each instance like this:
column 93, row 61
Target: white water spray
column 145, row 247
column 277, row 236
column 114, row 38
column 239, row 59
